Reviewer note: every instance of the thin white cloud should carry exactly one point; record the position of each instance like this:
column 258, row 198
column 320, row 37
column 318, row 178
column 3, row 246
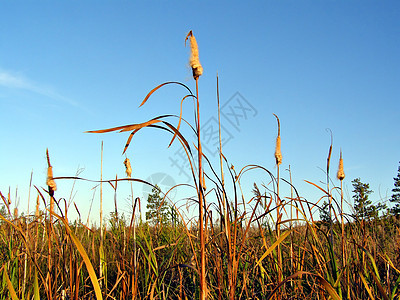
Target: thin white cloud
column 18, row 81
column 12, row 81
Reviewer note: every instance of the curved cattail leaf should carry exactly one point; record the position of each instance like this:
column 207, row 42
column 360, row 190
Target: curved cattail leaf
column 126, row 127
column 180, row 119
column 139, row 126
column 317, row 186
column 107, row 130
column 170, row 129
column 161, row 85
column 177, row 132
column 129, row 140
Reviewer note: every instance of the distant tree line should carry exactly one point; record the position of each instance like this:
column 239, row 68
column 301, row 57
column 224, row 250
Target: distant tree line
column 364, row 209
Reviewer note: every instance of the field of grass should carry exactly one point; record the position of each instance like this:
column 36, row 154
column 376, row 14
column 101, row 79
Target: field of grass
column 43, row 258
column 266, row 246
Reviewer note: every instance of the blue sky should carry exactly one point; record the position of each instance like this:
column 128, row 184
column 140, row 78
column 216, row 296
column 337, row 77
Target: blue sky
column 69, row 67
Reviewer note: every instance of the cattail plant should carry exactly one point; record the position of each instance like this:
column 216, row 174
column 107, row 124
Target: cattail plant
column 340, row 175
column 197, row 70
column 278, row 161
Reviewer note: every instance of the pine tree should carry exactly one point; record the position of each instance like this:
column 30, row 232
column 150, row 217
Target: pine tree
column 324, row 213
column 363, row 208
column 395, row 199
column 158, row 210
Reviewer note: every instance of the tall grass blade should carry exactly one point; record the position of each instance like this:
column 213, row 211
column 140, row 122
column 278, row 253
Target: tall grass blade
column 396, row 285
column 270, row 249
column 368, row 289
column 10, row 287
column 36, row 295
column 89, row 266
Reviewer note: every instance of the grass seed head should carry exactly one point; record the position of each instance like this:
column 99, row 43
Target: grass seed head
column 128, row 168
column 340, row 173
column 194, row 61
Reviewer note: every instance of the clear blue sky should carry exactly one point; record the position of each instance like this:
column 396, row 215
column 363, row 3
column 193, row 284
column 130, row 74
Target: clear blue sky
column 68, row 67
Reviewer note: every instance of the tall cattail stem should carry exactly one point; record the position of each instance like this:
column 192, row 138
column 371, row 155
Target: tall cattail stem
column 197, row 70
column 203, row 283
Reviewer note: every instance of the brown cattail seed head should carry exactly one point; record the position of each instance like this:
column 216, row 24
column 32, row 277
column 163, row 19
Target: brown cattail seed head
column 194, row 56
column 278, row 153
column 15, row 212
column 128, row 168
column 340, row 173
column 50, row 181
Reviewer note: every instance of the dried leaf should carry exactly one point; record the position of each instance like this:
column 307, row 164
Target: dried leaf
column 161, row 85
